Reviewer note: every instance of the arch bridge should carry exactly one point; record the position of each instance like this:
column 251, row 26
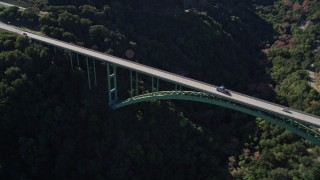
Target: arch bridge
column 301, row 123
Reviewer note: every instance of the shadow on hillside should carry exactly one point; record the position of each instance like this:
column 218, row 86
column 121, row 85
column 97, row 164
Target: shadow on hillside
column 218, row 43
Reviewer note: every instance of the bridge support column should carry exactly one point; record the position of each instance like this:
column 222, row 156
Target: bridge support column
column 71, row 62
column 88, row 71
column 94, row 72
column 78, row 61
column 158, row 84
column 137, row 85
column 132, row 90
column 152, row 84
column 55, row 50
column 131, row 84
column 112, row 91
column 178, row 87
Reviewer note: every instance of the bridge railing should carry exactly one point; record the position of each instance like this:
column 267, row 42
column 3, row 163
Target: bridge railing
column 280, row 106
column 179, row 83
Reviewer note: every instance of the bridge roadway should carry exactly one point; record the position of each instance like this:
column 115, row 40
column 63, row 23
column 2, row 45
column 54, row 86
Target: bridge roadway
column 170, row 77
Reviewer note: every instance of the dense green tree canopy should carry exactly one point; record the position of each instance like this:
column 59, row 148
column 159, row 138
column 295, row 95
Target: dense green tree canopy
column 53, row 127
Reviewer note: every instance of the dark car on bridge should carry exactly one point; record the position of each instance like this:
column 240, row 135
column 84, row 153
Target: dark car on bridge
column 222, row 89
column 287, row 110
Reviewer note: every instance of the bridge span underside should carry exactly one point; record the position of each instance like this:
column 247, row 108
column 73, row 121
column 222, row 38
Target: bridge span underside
column 290, row 124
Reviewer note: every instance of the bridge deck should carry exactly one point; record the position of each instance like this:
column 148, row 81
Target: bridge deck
column 170, row 77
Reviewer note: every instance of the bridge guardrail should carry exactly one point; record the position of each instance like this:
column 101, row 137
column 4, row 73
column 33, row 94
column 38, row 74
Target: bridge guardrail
column 183, row 77
column 274, row 104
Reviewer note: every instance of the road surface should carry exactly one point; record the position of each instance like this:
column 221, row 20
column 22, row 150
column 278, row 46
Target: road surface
column 41, row 13
column 170, row 77
column 7, row 4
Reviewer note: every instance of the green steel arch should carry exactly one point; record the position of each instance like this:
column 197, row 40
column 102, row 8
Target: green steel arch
column 288, row 123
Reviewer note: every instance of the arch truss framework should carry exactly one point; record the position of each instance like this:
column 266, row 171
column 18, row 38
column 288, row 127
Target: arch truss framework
column 293, row 125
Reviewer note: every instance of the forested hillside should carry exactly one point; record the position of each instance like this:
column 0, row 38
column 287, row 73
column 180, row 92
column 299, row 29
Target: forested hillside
column 53, row 127
column 273, row 152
